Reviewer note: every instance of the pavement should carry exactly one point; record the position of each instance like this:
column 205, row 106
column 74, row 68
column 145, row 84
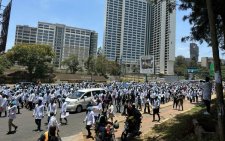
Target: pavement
column 75, row 130
column 166, row 112
column 26, row 125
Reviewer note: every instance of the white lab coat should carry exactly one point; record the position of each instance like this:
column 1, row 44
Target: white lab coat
column 52, row 108
column 31, row 97
column 64, row 114
column 12, row 112
column 90, row 119
column 53, row 122
column 38, row 112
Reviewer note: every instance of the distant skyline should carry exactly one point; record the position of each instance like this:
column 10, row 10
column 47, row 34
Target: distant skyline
column 89, row 14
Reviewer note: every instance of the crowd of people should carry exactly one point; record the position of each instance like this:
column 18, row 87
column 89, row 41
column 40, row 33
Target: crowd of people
column 46, row 99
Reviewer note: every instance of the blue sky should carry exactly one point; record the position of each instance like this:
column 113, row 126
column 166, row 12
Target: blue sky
column 84, row 14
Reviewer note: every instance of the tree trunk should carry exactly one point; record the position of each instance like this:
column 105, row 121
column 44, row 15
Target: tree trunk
column 217, row 67
column 30, row 71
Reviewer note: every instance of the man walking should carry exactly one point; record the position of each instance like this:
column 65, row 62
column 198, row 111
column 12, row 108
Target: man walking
column 4, row 106
column 12, row 116
column 38, row 114
column 118, row 102
column 156, row 105
column 63, row 114
column 90, row 120
column 207, row 91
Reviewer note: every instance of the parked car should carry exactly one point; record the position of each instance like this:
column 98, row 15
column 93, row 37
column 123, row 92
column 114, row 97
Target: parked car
column 77, row 101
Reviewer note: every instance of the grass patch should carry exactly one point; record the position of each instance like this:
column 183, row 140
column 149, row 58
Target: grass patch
column 180, row 128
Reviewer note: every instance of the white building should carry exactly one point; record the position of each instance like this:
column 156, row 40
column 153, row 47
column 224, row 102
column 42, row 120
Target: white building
column 163, row 37
column 134, row 28
column 25, row 34
column 64, row 40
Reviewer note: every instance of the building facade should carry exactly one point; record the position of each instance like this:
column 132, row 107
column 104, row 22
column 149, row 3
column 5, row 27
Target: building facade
column 134, row 28
column 25, row 34
column 162, row 46
column 194, row 52
column 125, row 31
column 65, row 41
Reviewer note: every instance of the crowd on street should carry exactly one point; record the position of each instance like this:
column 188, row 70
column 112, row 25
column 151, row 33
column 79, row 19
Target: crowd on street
column 50, row 100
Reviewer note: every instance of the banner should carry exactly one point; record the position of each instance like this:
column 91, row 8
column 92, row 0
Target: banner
column 147, row 64
column 5, row 26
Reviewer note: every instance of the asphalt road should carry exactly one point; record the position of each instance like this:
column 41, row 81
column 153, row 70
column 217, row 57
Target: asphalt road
column 26, row 125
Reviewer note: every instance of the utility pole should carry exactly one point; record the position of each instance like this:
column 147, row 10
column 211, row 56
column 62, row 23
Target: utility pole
column 217, row 67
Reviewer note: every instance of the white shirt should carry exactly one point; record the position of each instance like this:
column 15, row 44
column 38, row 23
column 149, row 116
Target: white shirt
column 12, row 112
column 207, row 91
column 4, row 103
column 53, row 122
column 31, row 97
column 156, row 104
column 64, row 107
column 90, row 119
column 52, row 108
column 38, row 112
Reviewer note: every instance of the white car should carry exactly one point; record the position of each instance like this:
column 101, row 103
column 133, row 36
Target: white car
column 77, row 101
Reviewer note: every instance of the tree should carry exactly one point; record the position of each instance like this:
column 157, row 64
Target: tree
column 4, row 63
column 114, row 68
column 71, row 63
column 208, row 20
column 198, row 17
column 32, row 56
column 101, row 65
column 90, row 65
column 180, row 66
column 219, row 87
column 203, row 72
column 99, row 51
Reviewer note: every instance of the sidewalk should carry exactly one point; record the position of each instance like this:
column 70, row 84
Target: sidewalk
column 77, row 137
column 166, row 112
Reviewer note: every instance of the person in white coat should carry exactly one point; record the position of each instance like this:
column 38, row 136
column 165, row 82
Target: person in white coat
column 111, row 111
column 156, row 106
column 53, row 122
column 63, row 113
column 51, row 108
column 12, row 115
column 4, row 106
column 38, row 114
column 90, row 120
column 31, row 100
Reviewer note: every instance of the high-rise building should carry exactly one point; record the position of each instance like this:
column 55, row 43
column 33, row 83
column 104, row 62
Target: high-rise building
column 194, row 52
column 64, row 40
column 163, row 37
column 134, row 28
column 125, row 30
column 25, row 34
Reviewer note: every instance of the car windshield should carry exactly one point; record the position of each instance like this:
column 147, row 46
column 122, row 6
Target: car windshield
column 76, row 95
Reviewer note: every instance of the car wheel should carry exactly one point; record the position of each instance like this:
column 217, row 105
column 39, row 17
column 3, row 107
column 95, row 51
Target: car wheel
column 79, row 109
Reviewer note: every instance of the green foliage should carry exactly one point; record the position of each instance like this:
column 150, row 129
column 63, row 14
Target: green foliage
column 180, row 66
column 101, row 65
column 223, row 71
column 4, row 63
column 198, row 18
column 203, row 72
column 90, row 65
column 192, row 63
column 114, row 68
column 33, row 56
column 71, row 63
